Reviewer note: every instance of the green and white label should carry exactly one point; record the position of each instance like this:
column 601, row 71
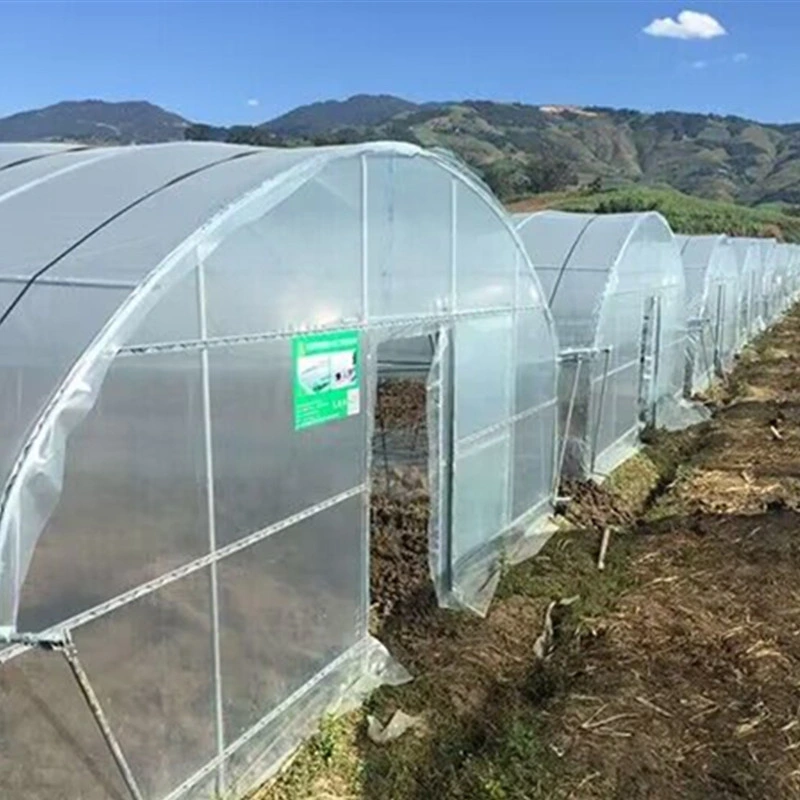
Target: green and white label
column 326, row 377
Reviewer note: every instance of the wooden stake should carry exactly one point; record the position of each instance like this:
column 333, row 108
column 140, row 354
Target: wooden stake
column 601, row 561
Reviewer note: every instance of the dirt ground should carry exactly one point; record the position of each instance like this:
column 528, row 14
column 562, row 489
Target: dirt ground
column 400, row 502
column 673, row 673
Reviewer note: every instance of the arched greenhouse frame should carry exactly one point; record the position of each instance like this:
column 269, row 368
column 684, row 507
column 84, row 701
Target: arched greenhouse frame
column 713, row 297
column 616, row 288
column 188, row 361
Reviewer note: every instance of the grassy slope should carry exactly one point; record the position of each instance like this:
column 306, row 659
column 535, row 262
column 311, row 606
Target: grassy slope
column 686, row 214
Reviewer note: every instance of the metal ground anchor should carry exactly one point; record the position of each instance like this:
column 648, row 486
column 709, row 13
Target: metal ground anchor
column 63, row 643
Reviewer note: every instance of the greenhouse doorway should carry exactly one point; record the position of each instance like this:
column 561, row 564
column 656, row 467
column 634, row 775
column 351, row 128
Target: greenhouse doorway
column 406, row 399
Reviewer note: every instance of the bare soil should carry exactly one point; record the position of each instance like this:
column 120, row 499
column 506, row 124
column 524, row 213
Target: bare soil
column 690, row 688
column 400, row 501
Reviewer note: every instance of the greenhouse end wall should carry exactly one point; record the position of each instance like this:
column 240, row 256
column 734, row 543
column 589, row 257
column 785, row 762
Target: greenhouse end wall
column 199, row 522
column 713, row 302
column 616, row 289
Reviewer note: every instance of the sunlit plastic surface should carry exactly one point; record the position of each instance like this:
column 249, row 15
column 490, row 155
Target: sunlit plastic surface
column 160, row 496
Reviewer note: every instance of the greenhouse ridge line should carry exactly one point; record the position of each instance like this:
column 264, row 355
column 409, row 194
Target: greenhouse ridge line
column 109, row 220
column 30, row 159
column 566, row 261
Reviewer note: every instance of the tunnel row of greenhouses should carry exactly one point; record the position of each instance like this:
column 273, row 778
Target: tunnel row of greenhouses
column 192, row 340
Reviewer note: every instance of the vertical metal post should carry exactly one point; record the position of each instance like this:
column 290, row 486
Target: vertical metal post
column 718, row 331
column 567, row 425
column 656, row 358
column 691, row 359
column 70, row 654
column 645, row 358
column 370, row 384
column 707, row 370
column 449, row 433
column 212, row 526
column 453, row 244
column 16, row 554
column 599, row 415
column 448, row 400
column 511, row 407
column 364, row 240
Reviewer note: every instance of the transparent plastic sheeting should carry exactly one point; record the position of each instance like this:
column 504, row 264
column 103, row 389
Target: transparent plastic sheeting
column 771, row 271
column 714, row 317
column 616, row 290
column 162, row 499
column 14, row 154
column 748, row 262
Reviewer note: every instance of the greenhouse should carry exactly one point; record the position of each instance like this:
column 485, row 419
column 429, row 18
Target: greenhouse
column 189, row 351
column 714, row 319
column 616, row 289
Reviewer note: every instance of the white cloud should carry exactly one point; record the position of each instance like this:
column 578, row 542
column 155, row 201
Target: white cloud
column 739, row 58
column 688, row 25
column 253, row 102
column 699, row 64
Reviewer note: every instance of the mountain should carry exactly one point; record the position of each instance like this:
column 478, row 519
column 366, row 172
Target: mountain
column 522, row 149
column 94, row 121
column 359, row 111
column 518, row 149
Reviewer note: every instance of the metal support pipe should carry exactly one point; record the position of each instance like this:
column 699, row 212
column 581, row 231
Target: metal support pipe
column 599, row 417
column 70, row 653
column 656, row 359
column 448, row 396
column 212, row 526
column 704, row 350
column 567, row 425
column 62, row 642
column 718, row 330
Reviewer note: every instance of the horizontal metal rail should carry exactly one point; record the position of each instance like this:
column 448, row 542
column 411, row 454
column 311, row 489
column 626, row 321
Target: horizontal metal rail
column 353, row 653
column 468, row 443
column 343, row 325
column 181, row 572
column 83, row 283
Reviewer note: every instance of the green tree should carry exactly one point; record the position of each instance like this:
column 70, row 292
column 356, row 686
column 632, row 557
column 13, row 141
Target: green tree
column 548, row 175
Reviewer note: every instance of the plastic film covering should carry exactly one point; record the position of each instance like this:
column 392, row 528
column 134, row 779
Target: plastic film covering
column 793, row 287
column 783, row 279
column 748, row 260
column 617, row 294
column 50, row 748
column 210, row 554
column 765, row 283
column 24, row 175
column 713, row 294
column 13, row 153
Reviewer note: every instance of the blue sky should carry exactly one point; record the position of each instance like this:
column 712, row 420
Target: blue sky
column 225, row 62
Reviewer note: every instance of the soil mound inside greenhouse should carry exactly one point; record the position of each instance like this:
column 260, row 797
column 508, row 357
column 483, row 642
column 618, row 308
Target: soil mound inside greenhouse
column 400, row 503
column 672, row 673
